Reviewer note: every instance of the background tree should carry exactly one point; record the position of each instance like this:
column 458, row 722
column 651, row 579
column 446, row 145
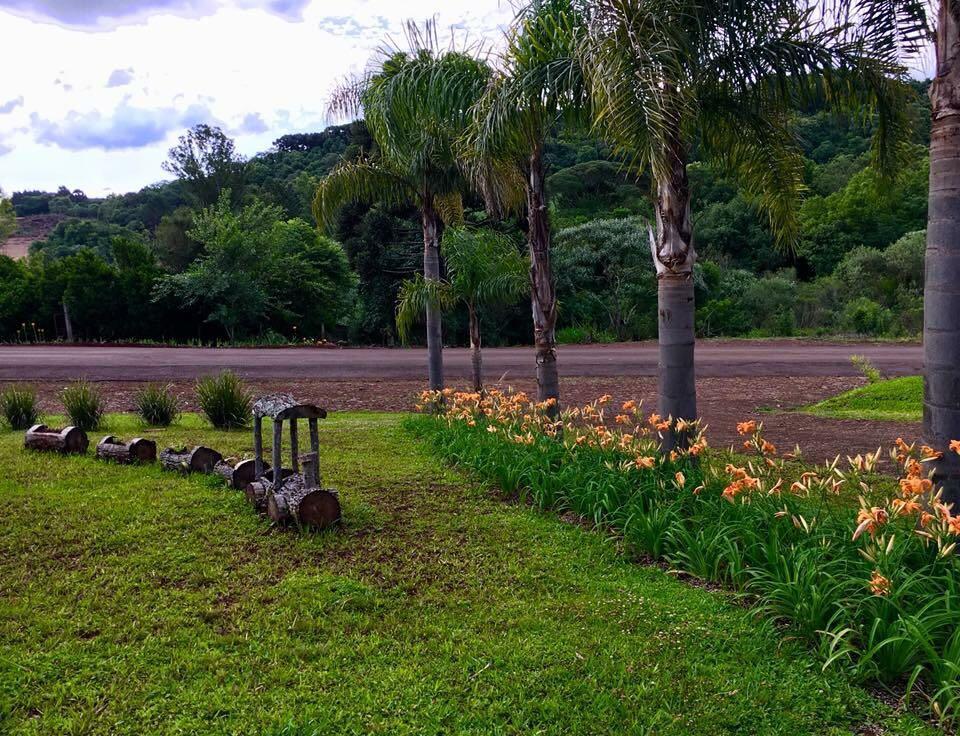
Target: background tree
column 206, row 160
column 483, row 267
column 416, row 105
column 539, row 83
column 8, row 218
column 665, row 73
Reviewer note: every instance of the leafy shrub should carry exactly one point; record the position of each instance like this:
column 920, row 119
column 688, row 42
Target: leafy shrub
column 224, row 399
column 574, row 335
column 84, row 405
column 19, row 406
column 865, row 317
column 157, row 405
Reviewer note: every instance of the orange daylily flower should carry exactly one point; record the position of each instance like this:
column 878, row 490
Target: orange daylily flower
column 629, row 405
column 644, row 461
column 768, row 448
column 748, row 427
column 955, row 446
column 869, row 520
column 879, row 585
column 680, row 478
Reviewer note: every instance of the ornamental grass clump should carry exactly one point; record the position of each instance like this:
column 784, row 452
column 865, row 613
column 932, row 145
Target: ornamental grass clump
column 157, row 405
column 83, row 404
column 19, row 407
column 225, row 400
column 861, row 565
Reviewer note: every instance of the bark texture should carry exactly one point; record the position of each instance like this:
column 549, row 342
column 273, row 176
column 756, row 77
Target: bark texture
column 476, row 357
column 543, row 295
column 431, row 272
column 674, row 257
column 941, row 299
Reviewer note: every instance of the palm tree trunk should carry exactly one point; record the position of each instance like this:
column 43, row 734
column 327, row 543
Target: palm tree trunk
column 476, row 358
column 431, row 272
column 674, row 256
column 543, row 294
column 941, row 293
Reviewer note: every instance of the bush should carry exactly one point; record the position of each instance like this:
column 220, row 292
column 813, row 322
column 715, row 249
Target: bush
column 225, row 400
column 865, row 317
column 157, row 405
column 84, row 405
column 19, row 406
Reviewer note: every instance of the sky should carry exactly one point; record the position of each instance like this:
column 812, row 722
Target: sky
column 93, row 93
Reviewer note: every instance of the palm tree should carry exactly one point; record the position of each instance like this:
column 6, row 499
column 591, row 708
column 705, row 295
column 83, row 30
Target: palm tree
column 666, row 73
column 904, row 28
column 538, row 84
column 483, row 267
column 416, row 106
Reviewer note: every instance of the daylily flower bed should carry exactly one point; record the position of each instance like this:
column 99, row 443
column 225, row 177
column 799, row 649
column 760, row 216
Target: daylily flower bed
column 861, row 566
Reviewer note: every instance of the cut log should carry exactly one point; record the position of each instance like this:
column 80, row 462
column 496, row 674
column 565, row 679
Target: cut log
column 257, row 495
column 244, row 472
column 198, row 460
column 311, row 508
column 225, row 470
column 136, row 451
column 69, row 440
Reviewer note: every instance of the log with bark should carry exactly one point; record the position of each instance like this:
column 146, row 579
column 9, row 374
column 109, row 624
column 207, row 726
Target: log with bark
column 198, row 460
column 237, row 474
column 136, row 451
column 312, row 508
column 69, row 440
column 256, row 493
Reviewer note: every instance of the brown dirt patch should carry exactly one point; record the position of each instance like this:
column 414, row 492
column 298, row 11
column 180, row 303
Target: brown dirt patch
column 723, row 402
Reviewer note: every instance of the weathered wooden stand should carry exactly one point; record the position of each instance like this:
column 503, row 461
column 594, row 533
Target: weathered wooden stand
column 136, row 451
column 67, row 441
column 198, row 460
column 296, row 497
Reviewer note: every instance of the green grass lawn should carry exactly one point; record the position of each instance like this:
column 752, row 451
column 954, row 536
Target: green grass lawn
column 137, row 602
column 896, row 399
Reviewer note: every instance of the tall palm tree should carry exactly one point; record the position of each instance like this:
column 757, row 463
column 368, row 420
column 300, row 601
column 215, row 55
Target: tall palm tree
column 905, row 27
column 416, row 106
column 483, row 268
column 726, row 74
column 538, row 84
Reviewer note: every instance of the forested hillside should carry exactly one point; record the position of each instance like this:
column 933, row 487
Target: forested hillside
column 228, row 250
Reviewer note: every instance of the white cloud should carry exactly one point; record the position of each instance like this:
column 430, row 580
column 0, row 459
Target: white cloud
column 259, row 68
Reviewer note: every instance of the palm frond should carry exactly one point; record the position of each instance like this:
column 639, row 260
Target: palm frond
column 414, row 297
column 484, row 266
column 360, row 181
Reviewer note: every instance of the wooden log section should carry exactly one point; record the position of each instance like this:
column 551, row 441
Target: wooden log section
column 68, row 440
column 311, row 508
column 237, row 475
column 198, row 460
column 256, row 493
column 136, row 451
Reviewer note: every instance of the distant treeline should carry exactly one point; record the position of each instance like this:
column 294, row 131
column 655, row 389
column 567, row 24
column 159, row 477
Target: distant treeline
column 228, row 249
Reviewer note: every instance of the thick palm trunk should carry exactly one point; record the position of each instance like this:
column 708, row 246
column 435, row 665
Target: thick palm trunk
column 941, row 297
column 674, row 256
column 476, row 358
column 431, row 272
column 543, row 295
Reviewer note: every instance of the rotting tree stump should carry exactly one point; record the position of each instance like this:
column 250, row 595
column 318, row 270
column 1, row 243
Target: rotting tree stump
column 198, row 460
column 137, row 451
column 67, row 441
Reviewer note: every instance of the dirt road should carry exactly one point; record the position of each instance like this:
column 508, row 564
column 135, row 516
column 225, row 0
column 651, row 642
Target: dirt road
column 714, row 359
